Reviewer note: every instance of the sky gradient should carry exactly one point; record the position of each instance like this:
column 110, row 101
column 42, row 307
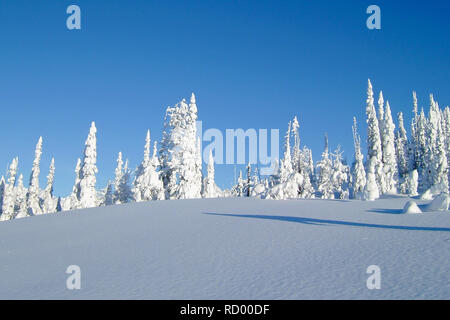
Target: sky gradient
column 251, row 64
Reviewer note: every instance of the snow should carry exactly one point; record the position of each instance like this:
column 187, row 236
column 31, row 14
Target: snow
column 234, row 248
column 440, row 203
column 411, row 207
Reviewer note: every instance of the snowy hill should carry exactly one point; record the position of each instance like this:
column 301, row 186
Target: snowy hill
column 229, row 249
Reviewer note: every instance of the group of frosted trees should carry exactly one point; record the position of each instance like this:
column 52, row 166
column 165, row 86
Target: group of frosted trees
column 173, row 172
column 395, row 163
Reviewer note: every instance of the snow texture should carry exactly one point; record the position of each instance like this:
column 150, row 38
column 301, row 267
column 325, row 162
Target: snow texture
column 411, row 207
column 241, row 248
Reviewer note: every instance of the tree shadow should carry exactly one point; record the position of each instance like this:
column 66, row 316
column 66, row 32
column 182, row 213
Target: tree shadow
column 323, row 222
column 389, row 211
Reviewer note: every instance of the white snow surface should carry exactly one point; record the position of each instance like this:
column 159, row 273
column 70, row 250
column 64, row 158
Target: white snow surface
column 440, row 203
column 411, row 207
column 241, row 248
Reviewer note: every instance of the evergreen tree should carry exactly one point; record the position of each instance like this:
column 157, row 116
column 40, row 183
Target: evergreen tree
column 72, row 201
column 374, row 140
column 123, row 191
column 118, row 179
column 238, row 189
column 2, row 192
column 180, row 154
column 359, row 174
column 87, row 195
column 286, row 163
column 147, row 184
column 389, row 156
column 371, row 191
column 33, row 201
column 210, row 189
column 401, row 143
column 109, row 194
column 324, row 174
column 9, row 198
column 21, row 199
column 421, row 149
column 340, row 177
column 296, row 153
column 49, row 205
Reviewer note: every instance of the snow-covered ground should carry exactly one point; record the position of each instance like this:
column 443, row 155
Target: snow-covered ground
column 229, row 249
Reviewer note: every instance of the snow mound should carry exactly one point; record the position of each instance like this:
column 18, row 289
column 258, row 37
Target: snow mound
column 440, row 203
column 411, row 207
column 435, row 190
column 427, row 195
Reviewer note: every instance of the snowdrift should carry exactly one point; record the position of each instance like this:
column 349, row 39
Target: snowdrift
column 228, row 249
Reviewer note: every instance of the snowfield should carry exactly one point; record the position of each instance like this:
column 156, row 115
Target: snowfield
column 236, row 248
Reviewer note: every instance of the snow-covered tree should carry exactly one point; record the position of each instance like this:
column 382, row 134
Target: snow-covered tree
column 72, row 201
column 412, row 183
column 358, row 172
column 339, row 176
column 446, row 132
column 147, row 184
column 49, row 203
column 238, row 189
column 2, row 192
column 286, row 169
column 87, row 195
column 401, row 147
column 371, row 190
column 374, row 140
column 440, row 169
column 388, row 149
column 118, row 178
column 324, row 172
column 33, row 201
column 59, row 207
column 180, row 154
column 123, row 191
column 306, row 166
column 9, row 197
column 21, row 199
column 421, row 150
column 109, row 194
column 210, row 189
column 296, row 153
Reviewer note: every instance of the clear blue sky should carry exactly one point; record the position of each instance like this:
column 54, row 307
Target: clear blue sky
column 252, row 64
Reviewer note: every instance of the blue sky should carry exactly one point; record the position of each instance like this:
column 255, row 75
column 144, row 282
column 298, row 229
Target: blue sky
column 252, row 64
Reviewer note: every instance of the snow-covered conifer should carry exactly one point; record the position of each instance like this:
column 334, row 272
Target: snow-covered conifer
column 118, row 178
column 401, row 147
column 87, row 196
column 339, row 176
column 21, row 199
column 389, row 156
column 180, row 156
column 286, row 163
column 324, row 174
column 238, row 189
column 33, row 201
column 109, row 194
column 49, row 204
column 374, row 140
column 371, row 191
column 123, row 191
column 147, row 184
column 9, row 197
column 210, row 189
column 359, row 174
column 72, row 201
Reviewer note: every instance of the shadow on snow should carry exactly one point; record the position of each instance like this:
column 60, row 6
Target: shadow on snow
column 323, row 222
